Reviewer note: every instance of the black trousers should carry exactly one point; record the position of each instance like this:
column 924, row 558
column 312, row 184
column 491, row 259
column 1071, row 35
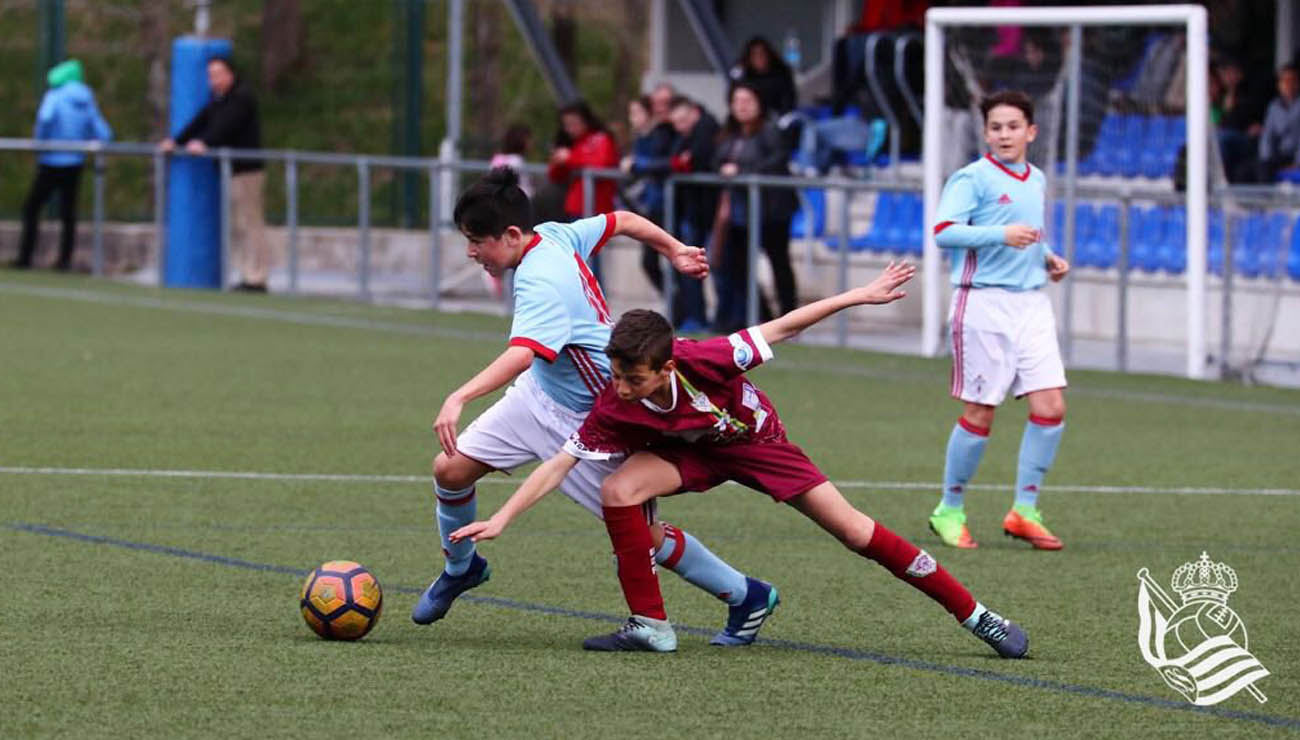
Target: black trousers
column 49, row 180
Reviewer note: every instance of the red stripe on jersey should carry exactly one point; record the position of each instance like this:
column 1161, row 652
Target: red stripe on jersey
column 611, row 221
column 591, row 288
column 958, row 324
column 942, row 225
column 583, row 372
column 592, row 367
column 1008, row 170
column 1045, row 421
column 542, row 351
column 679, row 546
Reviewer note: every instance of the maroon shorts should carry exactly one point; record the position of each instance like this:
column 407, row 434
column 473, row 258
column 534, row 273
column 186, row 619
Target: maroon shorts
column 778, row 467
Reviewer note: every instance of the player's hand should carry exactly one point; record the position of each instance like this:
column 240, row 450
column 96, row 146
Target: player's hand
column 1057, row 268
column 560, row 156
column 691, row 261
column 166, row 146
column 445, row 425
column 196, row 146
column 730, row 169
column 626, row 164
column 1019, row 235
column 884, row 289
column 478, row 531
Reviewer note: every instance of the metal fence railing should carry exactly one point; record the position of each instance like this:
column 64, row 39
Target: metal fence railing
column 441, row 176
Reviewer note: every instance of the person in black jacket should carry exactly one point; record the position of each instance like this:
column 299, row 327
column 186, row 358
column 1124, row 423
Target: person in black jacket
column 230, row 119
column 761, row 68
column 751, row 143
column 694, row 206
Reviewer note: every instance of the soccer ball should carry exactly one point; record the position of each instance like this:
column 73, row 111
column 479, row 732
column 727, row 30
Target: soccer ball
column 341, row 600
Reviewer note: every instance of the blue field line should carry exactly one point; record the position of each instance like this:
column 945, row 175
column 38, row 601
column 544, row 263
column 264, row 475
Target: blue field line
column 1290, row 723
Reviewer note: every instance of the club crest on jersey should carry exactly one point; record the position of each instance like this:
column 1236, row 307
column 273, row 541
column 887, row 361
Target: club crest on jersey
column 741, row 353
column 1005, row 200
column 701, row 403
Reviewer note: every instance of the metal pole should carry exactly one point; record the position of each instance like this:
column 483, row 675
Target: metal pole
column 751, row 285
column 226, row 175
column 435, row 234
column 588, row 194
column 842, row 318
column 1198, row 113
column 931, row 162
column 1071, row 178
column 882, row 101
column 363, row 228
column 666, row 266
column 98, row 238
column 455, row 67
column 160, row 213
column 1225, row 329
column 1121, row 334
column 291, row 218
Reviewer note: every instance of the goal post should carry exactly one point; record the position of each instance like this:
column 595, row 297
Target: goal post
column 1192, row 19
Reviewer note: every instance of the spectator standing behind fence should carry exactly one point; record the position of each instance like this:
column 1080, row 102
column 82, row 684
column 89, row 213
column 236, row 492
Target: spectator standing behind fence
column 751, row 144
column 583, row 143
column 230, row 120
column 647, row 163
column 1279, row 142
column 764, row 71
column 694, row 206
column 514, row 154
column 67, row 113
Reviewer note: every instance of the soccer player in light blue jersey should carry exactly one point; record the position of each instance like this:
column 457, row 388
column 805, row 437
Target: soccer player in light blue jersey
column 556, row 360
column 1003, row 330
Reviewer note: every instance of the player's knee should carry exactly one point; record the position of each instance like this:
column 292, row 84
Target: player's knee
column 618, row 490
column 448, row 473
column 1051, row 406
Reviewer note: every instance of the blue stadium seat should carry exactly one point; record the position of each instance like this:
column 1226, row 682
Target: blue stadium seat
column 1293, row 258
column 1151, row 159
column 1144, row 249
column 1085, row 223
column 1130, row 145
column 1173, row 247
column 1245, row 245
column 1272, row 248
column 816, row 199
column 913, row 223
column 1105, row 242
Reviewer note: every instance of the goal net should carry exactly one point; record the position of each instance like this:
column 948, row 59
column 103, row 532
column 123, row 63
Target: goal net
column 1118, row 92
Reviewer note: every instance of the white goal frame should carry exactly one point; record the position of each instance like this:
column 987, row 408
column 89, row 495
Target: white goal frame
column 1193, row 19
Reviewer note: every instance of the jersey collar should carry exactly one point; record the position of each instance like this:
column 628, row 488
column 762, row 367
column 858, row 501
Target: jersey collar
column 659, row 409
column 537, row 238
column 1021, row 176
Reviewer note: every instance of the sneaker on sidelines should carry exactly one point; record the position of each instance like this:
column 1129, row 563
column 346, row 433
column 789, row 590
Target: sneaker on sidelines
column 1026, row 523
column 438, row 597
column 638, row 633
column 747, row 617
column 1002, row 635
column 949, row 522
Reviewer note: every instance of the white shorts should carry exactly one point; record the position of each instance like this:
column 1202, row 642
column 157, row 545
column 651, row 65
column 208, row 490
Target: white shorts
column 526, row 425
column 1003, row 340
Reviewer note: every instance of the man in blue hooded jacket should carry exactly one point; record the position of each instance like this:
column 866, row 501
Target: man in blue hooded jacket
column 67, row 113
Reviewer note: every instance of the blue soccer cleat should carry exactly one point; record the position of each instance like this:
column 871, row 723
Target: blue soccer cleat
column 1002, row 635
column 638, row 634
column 745, row 619
column 438, row 597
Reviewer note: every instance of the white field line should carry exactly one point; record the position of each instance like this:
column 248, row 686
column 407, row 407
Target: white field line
column 428, row 480
column 396, row 327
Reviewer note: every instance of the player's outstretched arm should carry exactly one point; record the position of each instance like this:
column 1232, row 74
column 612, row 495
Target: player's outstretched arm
column 884, row 289
column 543, row 480
column 505, row 368
column 685, row 259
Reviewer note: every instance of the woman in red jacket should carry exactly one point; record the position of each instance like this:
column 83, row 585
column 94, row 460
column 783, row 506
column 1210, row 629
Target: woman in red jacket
column 583, row 142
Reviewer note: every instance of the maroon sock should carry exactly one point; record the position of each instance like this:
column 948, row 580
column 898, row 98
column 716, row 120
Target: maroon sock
column 634, row 551
column 915, row 566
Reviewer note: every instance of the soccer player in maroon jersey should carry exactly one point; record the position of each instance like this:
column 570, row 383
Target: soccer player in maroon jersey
column 688, row 419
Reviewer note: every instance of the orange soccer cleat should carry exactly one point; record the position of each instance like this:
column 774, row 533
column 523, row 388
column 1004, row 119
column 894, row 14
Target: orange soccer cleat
column 1026, row 523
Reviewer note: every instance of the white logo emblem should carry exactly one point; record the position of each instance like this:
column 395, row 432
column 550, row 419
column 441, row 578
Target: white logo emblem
column 741, row 354
column 922, row 565
column 1199, row 648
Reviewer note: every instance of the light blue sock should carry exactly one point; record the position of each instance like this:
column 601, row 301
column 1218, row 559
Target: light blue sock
column 974, row 618
column 965, row 449
column 455, row 510
column 1037, row 451
column 684, row 555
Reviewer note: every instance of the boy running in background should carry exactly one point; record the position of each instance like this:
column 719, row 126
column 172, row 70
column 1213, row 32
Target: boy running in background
column 689, row 420
column 1003, row 330
column 555, row 358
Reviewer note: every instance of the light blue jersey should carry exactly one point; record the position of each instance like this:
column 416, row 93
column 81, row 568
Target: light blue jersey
column 978, row 202
column 560, row 311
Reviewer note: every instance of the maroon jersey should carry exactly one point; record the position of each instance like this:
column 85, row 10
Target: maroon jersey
column 712, row 403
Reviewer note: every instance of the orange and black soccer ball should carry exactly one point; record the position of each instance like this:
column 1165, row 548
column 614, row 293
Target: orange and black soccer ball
column 341, row 600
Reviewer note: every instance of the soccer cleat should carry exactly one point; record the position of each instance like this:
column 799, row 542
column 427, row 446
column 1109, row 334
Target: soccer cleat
column 1026, row 523
column 638, row 634
column 747, row 617
column 437, row 598
column 1002, row 635
column 949, row 522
